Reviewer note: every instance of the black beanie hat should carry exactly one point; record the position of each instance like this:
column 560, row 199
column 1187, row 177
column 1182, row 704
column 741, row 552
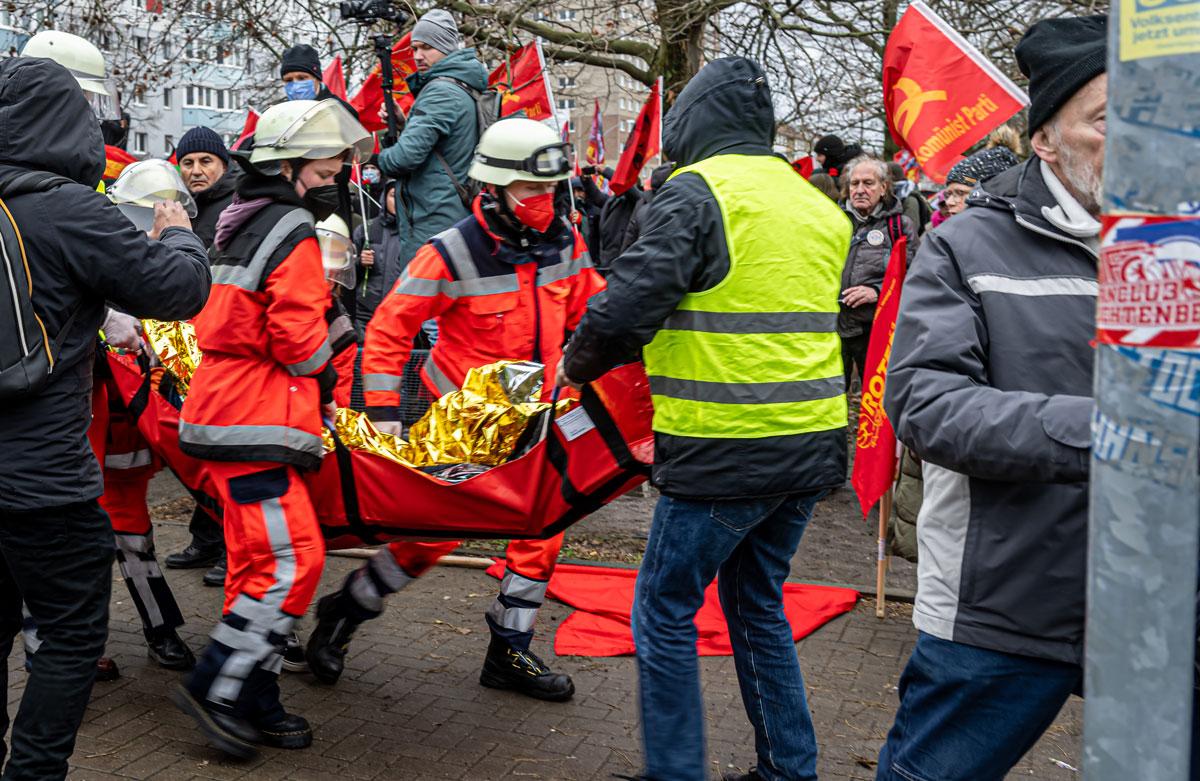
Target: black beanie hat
column 830, row 146
column 1060, row 56
column 201, row 139
column 301, row 58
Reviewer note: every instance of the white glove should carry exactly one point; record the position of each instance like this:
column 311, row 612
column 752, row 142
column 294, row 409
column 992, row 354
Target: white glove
column 122, row 330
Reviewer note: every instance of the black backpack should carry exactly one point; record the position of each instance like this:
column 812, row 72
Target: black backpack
column 488, row 104
column 27, row 353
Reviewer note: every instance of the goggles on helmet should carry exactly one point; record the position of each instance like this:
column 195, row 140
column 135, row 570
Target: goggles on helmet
column 550, row 160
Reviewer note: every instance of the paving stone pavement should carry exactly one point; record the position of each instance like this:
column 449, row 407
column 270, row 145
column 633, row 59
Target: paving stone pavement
column 410, row 706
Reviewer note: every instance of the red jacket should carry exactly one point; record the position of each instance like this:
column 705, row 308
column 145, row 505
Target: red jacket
column 492, row 301
column 256, row 394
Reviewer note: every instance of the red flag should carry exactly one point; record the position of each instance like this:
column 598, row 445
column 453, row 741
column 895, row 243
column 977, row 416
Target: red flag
column 941, row 94
column 522, row 82
column 368, row 101
column 248, row 128
column 804, row 166
column 154, row 6
column 115, row 160
column 335, row 79
column 595, row 147
column 643, row 143
column 875, row 452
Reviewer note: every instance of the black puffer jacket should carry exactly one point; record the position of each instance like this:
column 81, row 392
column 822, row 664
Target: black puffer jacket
column 867, row 261
column 82, row 251
column 634, row 229
column 211, row 202
column 373, row 285
column 725, row 109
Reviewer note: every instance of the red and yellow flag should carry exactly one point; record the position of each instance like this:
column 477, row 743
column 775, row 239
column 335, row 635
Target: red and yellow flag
column 368, row 101
column 115, row 160
column 595, row 145
column 521, row 79
column 941, row 94
column 875, row 451
column 643, row 143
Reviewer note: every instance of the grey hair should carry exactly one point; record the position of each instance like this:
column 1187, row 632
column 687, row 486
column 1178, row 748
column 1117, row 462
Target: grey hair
column 881, row 171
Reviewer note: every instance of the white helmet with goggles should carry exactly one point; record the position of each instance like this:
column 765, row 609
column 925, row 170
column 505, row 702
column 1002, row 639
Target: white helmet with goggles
column 337, row 251
column 521, row 150
column 145, row 183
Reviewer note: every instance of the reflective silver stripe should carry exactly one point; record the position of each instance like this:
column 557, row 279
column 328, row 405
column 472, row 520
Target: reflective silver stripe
column 249, row 276
column 439, row 378
column 127, row 460
column 248, row 436
column 339, row 328
column 417, row 286
column 314, row 362
column 521, row 587
column 388, row 383
column 459, row 254
column 1035, row 286
column 139, row 567
column 484, row 286
column 752, row 322
column 747, row 392
column 135, row 543
column 389, row 570
column 518, row 619
column 252, row 645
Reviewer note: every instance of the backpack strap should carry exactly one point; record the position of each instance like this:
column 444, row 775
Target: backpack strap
column 895, row 228
column 464, row 194
column 16, row 181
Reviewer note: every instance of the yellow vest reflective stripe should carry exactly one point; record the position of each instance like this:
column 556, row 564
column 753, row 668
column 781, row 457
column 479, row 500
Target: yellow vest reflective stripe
column 758, row 355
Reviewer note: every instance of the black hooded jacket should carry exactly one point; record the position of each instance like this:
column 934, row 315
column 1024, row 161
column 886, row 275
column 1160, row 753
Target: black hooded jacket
column 81, row 251
column 725, row 109
column 373, row 284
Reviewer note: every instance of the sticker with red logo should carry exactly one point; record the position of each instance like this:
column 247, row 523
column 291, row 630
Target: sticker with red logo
column 1150, row 282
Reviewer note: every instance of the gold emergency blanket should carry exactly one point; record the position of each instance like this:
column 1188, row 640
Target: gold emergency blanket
column 479, row 424
column 175, row 343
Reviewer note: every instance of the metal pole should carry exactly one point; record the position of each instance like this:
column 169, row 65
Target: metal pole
column 881, row 555
column 1145, row 488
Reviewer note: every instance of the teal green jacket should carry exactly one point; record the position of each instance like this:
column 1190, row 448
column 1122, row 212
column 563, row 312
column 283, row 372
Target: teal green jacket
column 443, row 119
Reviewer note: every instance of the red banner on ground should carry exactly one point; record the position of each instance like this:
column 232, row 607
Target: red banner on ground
column 522, row 81
column 334, row 78
column 875, row 450
column 941, row 94
column 368, row 101
column 643, row 143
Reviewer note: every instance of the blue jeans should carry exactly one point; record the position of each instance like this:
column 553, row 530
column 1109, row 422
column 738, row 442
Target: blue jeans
column 969, row 713
column 749, row 544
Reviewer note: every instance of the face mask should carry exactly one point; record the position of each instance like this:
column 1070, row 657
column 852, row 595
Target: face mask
column 322, row 201
column 536, row 211
column 370, row 176
column 300, row 90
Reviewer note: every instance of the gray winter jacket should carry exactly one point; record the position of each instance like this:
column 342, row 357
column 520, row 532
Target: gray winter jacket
column 990, row 383
column 869, row 251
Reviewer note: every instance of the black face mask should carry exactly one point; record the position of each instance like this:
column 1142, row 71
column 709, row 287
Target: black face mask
column 322, row 201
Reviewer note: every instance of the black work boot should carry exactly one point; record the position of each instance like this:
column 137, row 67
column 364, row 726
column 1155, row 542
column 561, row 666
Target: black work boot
column 215, row 577
column 228, row 733
column 193, row 557
column 288, row 731
column 522, row 671
column 330, row 640
column 166, row 647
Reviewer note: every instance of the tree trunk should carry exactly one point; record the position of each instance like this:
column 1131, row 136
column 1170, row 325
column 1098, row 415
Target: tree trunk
column 681, row 53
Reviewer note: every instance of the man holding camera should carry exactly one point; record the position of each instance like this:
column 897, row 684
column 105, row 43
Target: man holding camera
column 435, row 147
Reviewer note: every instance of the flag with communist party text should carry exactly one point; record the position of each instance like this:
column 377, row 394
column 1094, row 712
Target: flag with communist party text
column 368, row 101
column 334, row 78
column 875, row 450
column 521, row 80
column 941, row 94
column 643, row 143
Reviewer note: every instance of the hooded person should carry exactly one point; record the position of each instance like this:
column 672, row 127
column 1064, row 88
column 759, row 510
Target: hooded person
column 509, row 282
column 990, row 383
column 432, row 157
column 833, row 153
column 749, row 409
column 268, row 326
column 56, row 543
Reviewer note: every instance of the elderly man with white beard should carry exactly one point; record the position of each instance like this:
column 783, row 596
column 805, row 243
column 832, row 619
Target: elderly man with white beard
column 990, row 384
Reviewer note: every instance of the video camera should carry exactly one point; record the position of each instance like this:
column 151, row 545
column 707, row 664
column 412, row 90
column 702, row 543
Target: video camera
column 370, row 11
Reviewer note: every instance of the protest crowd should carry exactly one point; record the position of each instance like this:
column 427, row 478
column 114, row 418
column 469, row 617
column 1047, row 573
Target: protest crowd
column 325, row 269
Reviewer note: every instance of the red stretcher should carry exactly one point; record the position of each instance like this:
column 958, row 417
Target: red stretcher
column 600, row 449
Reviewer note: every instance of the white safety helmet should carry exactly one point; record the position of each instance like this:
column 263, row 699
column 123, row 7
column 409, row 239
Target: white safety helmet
column 83, row 60
column 337, row 251
column 520, row 150
column 145, row 183
column 309, row 129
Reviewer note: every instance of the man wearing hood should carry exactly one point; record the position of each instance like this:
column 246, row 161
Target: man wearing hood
column 56, row 543
column 433, row 154
column 749, row 409
column 990, row 384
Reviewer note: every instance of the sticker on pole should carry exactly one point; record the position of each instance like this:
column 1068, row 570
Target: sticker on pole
column 1150, row 282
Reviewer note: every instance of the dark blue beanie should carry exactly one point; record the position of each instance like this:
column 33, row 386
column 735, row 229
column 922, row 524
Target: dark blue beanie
column 201, row 139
